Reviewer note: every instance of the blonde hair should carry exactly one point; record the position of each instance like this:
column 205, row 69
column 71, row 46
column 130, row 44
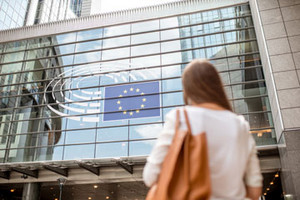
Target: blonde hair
column 202, row 84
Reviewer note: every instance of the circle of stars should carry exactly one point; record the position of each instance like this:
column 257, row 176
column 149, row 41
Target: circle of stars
column 120, row 108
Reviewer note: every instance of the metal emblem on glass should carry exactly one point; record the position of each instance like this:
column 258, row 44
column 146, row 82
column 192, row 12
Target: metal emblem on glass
column 77, row 91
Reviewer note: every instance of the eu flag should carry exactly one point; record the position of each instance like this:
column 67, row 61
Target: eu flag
column 132, row 101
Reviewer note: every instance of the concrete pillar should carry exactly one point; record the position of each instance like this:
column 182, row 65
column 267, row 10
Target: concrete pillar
column 31, row 191
column 277, row 24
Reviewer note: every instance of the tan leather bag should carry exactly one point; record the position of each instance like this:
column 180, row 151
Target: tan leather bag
column 185, row 171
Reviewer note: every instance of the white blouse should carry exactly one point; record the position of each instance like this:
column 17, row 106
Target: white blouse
column 231, row 149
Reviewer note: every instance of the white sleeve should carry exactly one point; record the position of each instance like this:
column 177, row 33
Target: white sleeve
column 253, row 176
column 154, row 162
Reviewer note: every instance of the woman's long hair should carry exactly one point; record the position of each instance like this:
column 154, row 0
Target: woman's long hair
column 202, row 84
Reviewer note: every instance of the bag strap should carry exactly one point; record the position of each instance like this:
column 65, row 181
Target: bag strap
column 187, row 121
column 177, row 122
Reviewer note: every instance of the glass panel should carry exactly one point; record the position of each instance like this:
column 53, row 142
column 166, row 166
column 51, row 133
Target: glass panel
column 145, row 38
column 64, row 38
column 251, row 105
column 248, row 90
column 172, row 99
column 49, row 153
column 144, row 131
column 264, row 136
column 169, row 22
column 171, row 58
column 64, row 49
column 38, row 42
column 89, row 34
column 171, row 85
column 116, row 30
column 12, row 57
column 38, row 53
column 112, row 134
column 87, row 46
column 80, row 136
column 116, row 42
column 15, row 46
column 141, row 148
column 172, row 71
column 112, row 150
column 79, row 151
column 21, row 155
column 169, row 34
column 146, row 61
column 115, row 53
column 145, row 26
column 145, row 49
column 259, row 120
column 87, row 57
column 171, row 46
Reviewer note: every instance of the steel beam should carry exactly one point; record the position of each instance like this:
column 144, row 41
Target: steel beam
column 58, row 170
column 126, row 166
column 5, row 174
column 90, row 168
column 28, row 172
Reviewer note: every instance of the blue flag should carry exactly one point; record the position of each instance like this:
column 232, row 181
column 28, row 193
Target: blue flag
column 132, row 101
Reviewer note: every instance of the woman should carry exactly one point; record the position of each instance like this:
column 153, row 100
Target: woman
column 233, row 163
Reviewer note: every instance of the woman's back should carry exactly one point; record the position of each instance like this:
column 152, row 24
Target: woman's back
column 229, row 146
column 227, row 138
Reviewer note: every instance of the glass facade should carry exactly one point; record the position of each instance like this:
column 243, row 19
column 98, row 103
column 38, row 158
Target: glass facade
column 12, row 13
column 104, row 92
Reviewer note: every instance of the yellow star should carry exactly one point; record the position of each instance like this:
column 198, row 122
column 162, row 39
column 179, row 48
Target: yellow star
column 131, row 89
column 137, row 111
column 131, row 113
column 137, row 90
column 120, row 108
column 124, row 112
column 121, row 95
column 142, row 106
column 125, row 91
column 142, row 93
column 144, row 99
column 118, row 102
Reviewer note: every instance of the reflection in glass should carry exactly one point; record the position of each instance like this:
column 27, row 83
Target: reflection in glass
column 64, row 38
column 172, row 99
column 145, row 26
column 87, row 57
column 116, row 30
column 112, row 150
column 169, row 34
column 87, row 46
column 15, row 46
column 144, row 131
column 171, row 71
column 144, row 38
column 141, row 148
column 116, row 42
column 146, row 61
column 145, row 49
column 64, row 49
column 115, row 53
column 80, row 136
column 172, row 85
column 112, row 134
column 79, row 151
column 13, row 57
column 49, row 153
column 251, row 105
column 169, row 22
column 89, row 34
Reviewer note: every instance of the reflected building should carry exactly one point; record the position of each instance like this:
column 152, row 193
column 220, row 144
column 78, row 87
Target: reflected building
column 18, row 13
column 86, row 98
